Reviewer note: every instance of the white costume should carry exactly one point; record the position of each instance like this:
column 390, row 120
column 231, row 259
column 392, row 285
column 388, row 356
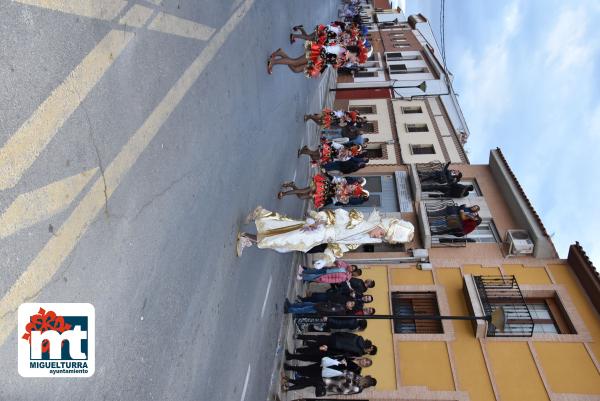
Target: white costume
column 341, row 230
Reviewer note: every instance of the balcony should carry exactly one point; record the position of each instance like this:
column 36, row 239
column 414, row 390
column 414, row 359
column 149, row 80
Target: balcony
column 433, row 223
column 485, row 294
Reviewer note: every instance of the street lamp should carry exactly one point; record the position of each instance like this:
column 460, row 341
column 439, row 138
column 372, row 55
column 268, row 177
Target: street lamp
column 497, row 318
column 422, row 86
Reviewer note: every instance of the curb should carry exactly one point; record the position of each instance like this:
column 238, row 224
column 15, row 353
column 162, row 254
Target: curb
column 286, row 333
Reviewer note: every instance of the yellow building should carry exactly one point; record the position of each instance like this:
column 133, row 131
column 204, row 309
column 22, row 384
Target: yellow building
column 552, row 354
column 549, row 347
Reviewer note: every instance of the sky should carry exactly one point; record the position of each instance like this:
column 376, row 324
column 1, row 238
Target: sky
column 527, row 73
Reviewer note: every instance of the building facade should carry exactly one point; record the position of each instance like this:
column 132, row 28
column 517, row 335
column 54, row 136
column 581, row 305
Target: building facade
column 548, row 347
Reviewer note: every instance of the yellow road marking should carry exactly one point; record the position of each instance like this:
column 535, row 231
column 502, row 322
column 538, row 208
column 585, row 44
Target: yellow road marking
column 25, row 145
column 168, row 23
column 136, row 16
column 38, row 205
column 50, row 258
column 100, row 9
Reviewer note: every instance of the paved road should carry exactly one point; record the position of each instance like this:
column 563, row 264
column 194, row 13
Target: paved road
column 132, row 146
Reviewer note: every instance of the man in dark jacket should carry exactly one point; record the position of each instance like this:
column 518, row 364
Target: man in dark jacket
column 341, row 342
column 354, row 285
column 332, row 323
column 455, row 190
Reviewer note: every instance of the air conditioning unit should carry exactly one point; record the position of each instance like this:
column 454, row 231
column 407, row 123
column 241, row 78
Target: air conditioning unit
column 519, row 242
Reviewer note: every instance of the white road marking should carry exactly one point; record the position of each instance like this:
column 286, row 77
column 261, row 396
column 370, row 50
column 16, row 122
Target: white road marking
column 38, row 205
column 262, row 311
column 108, row 10
column 136, row 16
column 235, row 5
column 295, row 174
column 101, row 9
column 168, row 23
column 246, row 382
column 25, row 145
column 47, row 262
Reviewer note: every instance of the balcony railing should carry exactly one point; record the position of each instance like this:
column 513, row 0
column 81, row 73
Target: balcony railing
column 431, row 172
column 503, row 291
column 438, row 217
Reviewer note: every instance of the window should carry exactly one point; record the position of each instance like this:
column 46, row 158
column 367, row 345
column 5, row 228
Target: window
column 417, row 128
column 400, row 46
column 485, row 233
column 547, row 313
column 401, row 69
column 383, row 247
column 370, row 127
column 375, row 153
column 422, row 149
column 398, row 68
column 416, row 303
column 398, row 56
column 476, row 190
column 365, row 74
column 412, row 110
column 364, row 109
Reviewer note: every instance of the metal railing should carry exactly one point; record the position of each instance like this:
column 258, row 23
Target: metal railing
column 431, row 172
column 440, row 221
column 503, row 291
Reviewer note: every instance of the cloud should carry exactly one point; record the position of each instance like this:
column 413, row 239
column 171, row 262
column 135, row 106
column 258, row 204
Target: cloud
column 568, row 44
column 527, row 79
column 484, row 78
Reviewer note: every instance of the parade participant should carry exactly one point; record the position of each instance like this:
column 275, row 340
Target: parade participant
column 335, row 118
column 325, row 190
column 317, row 57
column 323, row 34
column 336, row 32
column 330, row 151
column 338, row 230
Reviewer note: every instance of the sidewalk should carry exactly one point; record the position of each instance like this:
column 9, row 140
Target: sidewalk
column 323, row 98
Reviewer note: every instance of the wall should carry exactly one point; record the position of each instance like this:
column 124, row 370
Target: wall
column 406, row 139
column 457, row 366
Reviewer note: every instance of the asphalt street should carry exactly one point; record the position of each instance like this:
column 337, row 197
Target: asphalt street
column 178, row 315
